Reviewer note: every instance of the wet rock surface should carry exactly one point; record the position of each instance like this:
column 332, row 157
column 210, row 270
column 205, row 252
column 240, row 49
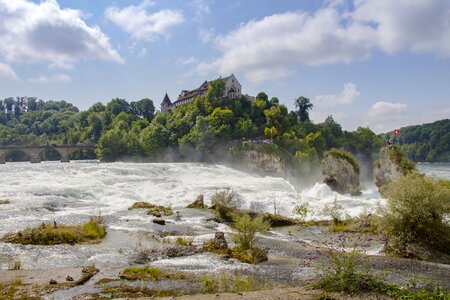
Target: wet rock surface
column 198, row 203
column 340, row 174
column 391, row 165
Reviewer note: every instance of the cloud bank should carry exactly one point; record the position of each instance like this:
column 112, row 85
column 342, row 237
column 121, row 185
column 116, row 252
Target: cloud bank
column 347, row 96
column 45, row 33
column 142, row 25
column 336, row 33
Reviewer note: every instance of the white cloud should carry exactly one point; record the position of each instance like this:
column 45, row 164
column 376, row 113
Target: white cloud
column 188, row 61
column 44, row 32
column 347, row 96
column 206, row 35
column 387, row 110
column 142, row 25
column 56, row 78
column 415, row 25
column 336, row 33
column 201, row 8
column 7, row 72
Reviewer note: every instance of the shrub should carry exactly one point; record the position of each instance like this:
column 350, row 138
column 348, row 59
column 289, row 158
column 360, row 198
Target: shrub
column 247, row 229
column 224, row 203
column 5, row 201
column 415, row 213
column 302, row 210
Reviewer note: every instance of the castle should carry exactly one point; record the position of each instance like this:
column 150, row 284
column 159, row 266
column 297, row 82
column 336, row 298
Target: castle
column 232, row 91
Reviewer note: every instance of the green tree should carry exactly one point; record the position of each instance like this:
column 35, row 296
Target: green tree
column 216, row 89
column 117, row 105
column 303, row 106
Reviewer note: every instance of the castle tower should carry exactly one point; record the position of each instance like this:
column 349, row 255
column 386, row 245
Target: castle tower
column 166, row 104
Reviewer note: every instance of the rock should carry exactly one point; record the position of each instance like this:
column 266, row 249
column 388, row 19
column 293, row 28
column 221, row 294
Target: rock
column 53, row 281
column 261, row 157
column 391, row 165
column 219, row 240
column 69, row 278
column 198, row 203
column 341, row 172
column 171, row 252
column 159, row 221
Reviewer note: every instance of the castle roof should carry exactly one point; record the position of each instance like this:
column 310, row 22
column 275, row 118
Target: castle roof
column 167, row 100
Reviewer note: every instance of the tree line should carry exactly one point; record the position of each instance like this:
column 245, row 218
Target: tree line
column 427, row 142
column 133, row 129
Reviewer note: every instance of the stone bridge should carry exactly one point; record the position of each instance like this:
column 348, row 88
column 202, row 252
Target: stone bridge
column 34, row 152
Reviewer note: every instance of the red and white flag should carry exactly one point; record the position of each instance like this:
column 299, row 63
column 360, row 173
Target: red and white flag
column 397, row 131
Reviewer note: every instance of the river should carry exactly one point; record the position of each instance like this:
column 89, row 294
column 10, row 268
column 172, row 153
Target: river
column 71, row 193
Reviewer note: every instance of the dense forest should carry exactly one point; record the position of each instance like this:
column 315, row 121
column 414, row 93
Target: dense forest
column 427, row 142
column 123, row 129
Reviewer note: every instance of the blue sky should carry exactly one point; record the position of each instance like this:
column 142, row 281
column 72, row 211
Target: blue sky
column 377, row 63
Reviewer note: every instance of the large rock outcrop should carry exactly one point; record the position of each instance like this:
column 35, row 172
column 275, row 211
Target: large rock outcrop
column 260, row 157
column 341, row 172
column 391, row 165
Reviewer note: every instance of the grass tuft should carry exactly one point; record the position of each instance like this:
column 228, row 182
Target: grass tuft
column 49, row 234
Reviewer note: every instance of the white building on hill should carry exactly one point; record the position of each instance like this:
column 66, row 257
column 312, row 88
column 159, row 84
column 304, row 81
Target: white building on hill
column 233, row 90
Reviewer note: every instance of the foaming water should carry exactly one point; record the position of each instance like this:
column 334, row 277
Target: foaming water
column 71, row 193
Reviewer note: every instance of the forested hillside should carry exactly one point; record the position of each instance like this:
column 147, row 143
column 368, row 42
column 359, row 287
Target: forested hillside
column 427, row 142
column 132, row 129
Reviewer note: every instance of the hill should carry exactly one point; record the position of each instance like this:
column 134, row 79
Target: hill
column 428, row 142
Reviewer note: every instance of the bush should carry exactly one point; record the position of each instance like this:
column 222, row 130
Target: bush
column 224, row 203
column 415, row 213
column 247, row 229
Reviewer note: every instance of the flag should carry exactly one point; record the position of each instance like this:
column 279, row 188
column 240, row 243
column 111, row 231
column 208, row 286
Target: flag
column 397, row 131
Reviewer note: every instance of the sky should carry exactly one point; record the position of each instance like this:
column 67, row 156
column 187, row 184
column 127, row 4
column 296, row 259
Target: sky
column 377, row 63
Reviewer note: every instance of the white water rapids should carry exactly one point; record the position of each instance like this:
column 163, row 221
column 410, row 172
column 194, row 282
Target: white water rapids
column 71, row 193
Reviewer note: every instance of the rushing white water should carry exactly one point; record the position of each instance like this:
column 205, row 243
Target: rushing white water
column 70, row 193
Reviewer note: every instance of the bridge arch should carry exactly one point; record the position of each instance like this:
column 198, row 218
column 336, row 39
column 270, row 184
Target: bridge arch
column 16, row 156
column 38, row 152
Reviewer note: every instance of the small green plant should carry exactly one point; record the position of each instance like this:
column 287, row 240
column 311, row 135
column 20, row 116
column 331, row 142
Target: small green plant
column 302, row 211
column 224, row 203
column 5, row 201
column 247, row 229
column 8, row 290
column 149, row 273
column 184, row 241
column 335, row 211
column 153, row 209
column 246, row 237
column 344, row 275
